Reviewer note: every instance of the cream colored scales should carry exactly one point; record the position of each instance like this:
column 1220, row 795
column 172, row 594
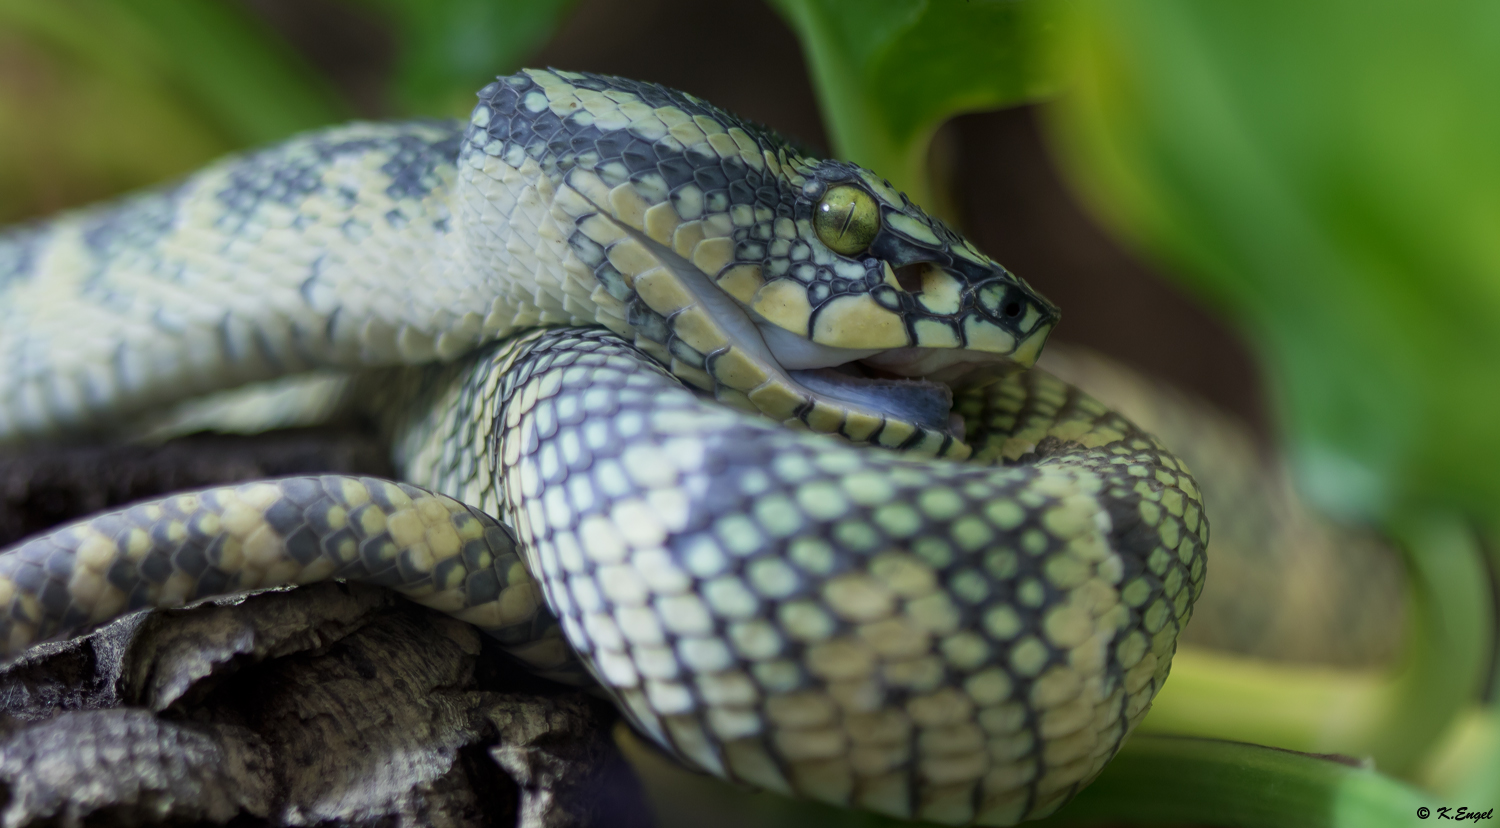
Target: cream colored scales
column 950, row 641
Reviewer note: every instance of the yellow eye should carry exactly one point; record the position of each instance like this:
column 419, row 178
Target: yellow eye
column 846, row 220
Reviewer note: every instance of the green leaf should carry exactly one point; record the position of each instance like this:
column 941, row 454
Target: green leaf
column 1328, row 174
column 451, row 48
column 99, row 97
column 1174, row 780
column 890, row 72
column 234, row 69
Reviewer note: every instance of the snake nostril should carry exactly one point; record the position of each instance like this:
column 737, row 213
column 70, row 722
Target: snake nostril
column 1012, row 309
column 909, row 276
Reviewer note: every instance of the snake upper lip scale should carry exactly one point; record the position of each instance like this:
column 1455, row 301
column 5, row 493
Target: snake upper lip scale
column 609, row 329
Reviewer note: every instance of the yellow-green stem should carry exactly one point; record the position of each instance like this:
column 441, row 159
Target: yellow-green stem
column 1394, row 719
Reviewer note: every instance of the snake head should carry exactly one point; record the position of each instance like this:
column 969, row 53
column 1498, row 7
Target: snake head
column 870, row 271
column 809, row 291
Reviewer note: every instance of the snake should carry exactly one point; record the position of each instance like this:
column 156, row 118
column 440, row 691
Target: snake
column 744, row 437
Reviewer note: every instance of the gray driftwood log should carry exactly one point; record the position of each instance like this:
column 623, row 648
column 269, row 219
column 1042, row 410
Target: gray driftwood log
column 336, row 704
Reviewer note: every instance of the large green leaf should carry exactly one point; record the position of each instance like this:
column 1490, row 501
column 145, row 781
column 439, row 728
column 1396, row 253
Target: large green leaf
column 1329, row 174
column 98, row 97
column 890, row 72
column 234, row 69
column 450, row 48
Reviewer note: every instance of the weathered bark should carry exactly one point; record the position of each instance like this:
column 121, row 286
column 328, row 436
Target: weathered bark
column 334, row 704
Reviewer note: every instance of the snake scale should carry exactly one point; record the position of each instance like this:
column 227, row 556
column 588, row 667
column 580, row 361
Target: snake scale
column 643, row 319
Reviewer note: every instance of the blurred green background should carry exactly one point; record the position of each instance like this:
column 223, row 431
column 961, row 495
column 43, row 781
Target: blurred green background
column 1290, row 209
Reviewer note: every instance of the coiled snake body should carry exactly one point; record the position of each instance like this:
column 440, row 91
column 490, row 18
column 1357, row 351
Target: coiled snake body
column 888, row 630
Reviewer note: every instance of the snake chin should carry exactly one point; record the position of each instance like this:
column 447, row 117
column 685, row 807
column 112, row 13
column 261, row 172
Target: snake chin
column 911, row 384
column 918, row 401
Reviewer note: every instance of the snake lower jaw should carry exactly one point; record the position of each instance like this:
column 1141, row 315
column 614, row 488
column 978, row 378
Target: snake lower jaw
column 917, row 401
column 916, row 385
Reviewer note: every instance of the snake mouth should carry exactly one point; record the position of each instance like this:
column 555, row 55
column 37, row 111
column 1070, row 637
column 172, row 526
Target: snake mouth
column 912, row 384
column 917, row 401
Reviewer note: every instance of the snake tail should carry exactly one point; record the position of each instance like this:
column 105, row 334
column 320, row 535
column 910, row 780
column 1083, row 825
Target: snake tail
column 296, row 530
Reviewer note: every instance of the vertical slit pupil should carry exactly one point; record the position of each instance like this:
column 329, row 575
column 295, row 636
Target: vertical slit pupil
column 848, row 220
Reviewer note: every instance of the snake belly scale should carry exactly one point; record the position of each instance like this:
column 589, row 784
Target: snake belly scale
column 784, row 485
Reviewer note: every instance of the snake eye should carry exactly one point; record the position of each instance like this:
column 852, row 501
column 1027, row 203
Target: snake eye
column 846, row 220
